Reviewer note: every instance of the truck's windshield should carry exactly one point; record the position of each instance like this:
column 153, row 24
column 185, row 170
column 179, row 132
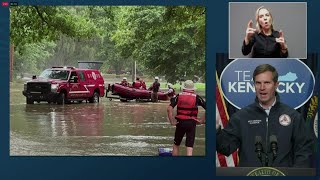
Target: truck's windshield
column 55, row 74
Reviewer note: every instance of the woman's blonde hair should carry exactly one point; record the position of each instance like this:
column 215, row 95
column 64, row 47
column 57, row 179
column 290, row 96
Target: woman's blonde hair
column 257, row 19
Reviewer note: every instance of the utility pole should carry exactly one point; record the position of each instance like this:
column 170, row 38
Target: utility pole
column 135, row 70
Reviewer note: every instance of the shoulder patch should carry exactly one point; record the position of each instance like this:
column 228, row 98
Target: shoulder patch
column 285, row 120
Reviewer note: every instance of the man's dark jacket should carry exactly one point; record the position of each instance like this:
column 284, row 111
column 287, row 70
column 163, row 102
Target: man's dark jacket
column 294, row 139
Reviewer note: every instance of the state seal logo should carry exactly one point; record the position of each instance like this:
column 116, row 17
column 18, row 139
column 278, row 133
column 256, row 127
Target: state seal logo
column 285, row 120
column 266, row 171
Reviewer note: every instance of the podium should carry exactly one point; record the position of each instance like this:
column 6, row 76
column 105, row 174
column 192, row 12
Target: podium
column 264, row 171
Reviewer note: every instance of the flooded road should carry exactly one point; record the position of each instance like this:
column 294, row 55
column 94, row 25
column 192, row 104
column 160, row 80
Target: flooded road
column 110, row 128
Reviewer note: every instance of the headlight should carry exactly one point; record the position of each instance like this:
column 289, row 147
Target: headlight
column 25, row 86
column 54, row 87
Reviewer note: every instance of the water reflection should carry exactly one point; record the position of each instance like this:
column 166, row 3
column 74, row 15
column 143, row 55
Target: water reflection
column 68, row 120
column 107, row 128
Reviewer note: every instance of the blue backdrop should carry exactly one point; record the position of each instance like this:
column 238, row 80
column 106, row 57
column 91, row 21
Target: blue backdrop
column 295, row 87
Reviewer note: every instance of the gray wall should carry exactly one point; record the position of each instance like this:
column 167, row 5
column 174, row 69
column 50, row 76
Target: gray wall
column 291, row 18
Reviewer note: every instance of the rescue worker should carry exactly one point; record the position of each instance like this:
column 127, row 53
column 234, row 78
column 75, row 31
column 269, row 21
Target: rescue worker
column 171, row 92
column 187, row 103
column 143, row 85
column 155, row 89
column 124, row 82
column 267, row 132
column 136, row 84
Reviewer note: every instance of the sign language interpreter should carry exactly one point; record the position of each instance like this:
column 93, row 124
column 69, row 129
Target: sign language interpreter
column 263, row 41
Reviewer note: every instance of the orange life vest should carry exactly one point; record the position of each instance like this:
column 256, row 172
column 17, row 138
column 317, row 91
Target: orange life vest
column 186, row 106
column 137, row 84
column 143, row 85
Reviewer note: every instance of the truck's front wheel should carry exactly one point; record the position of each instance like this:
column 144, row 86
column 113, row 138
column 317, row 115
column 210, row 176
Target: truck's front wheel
column 61, row 98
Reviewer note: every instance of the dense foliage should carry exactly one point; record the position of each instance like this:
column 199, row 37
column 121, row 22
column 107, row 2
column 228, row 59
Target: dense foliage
column 166, row 41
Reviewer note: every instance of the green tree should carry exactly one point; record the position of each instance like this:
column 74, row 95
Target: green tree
column 29, row 24
column 33, row 58
column 164, row 40
column 169, row 41
column 32, row 26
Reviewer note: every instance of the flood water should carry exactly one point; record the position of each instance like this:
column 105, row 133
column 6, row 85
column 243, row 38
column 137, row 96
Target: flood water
column 110, row 128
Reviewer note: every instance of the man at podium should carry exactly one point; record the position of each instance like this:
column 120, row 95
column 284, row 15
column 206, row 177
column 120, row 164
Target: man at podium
column 267, row 132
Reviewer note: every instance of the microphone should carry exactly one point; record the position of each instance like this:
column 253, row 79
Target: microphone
column 259, row 149
column 274, row 146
